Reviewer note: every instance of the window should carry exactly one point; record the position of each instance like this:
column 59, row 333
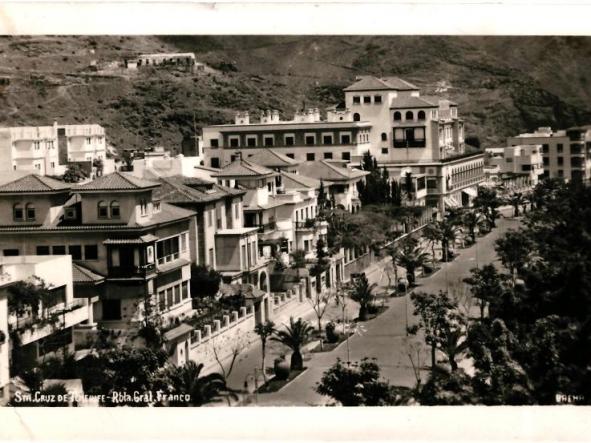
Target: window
column 209, row 219
column 290, row 155
column 36, row 145
column 177, row 294
column 345, row 139
column 421, row 115
column 526, row 168
column 509, row 160
column 560, row 160
column 367, row 99
column 560, row 173
column 384, row 150
column 42, row 250
column 310, row 139
column 52, row 165
column 88, row 140
column 162, row 300
column 545, row 148
column 328, row 155
column 251, row 141
column 356, row 117
column 346, row 156
column 327, row 139
column 167, row 250
column 559, row 148
column 310, row 156
column 356, row 99
column 237, row 211
column 185, row 290
column 268, row 140
column 58, row 250
column 377, row 99
column 115, row 210
column 169, row 297
column 289, row 140
column 397, row 116
column 10, row 252
column 214, row 143
column 409, row 137
column 37, row 166
column 18, row 214
column 75, row 251
column 384, row 137
column 546, row 161
column 234, row 142
column 156, row 206
column 409, row 115
column 102, row 209
column 143, row 207
column 211, row 260
column 215, row 162
column 90, row 252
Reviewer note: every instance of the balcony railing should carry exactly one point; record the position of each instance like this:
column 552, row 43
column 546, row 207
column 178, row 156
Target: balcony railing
column 267, row 227
column 132, row 271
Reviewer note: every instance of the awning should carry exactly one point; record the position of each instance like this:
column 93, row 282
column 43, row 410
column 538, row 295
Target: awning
column 451, row 202
column 148, row 238
column 471, row 192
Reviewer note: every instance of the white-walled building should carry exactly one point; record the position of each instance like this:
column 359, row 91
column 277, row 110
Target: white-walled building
column 506, row 164
column 47, row 150
column 4, row 345
column 565, row 153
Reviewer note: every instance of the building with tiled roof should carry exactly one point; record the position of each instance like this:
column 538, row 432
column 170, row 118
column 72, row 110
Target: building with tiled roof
column 299, row 181
column 115, row 228
column 243, row 168
column 417, row 134
column 271, row 158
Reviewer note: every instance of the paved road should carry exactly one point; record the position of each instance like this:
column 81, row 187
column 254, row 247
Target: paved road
column 384, row 338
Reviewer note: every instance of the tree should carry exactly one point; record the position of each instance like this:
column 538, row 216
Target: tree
column 319, row 302
column 298, row 259
column 513, row 250
column 362, row 293
column 411, row 258
column 237, row 346
column 516, row 199
column 448, row 232
column 187, row 380
column 205, row 281
column 486, row 285
column 321, row 264
column 443, row 326
column 294, row 336
column 264, row 331
column 99, row 165
column 32, row 295
column 432, row 234
column 359, row 384
column 471, row 219
column 74, row 174
column 488, row 202
column 375, row 188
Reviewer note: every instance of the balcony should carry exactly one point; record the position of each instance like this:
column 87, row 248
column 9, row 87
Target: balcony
column 267, row 227
column 141, row 272
column 409, row 143
column 308, row 225
column 31, row 328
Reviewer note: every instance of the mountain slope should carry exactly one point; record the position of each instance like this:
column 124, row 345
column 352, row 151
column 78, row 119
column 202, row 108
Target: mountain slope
column 504, row 85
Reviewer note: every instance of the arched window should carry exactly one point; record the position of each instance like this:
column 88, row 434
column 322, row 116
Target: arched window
column 30, row 211
column 421, row 115
column 115, row 212
column 356, row 117
column 397, row 116
column 384, row 137
column 410, row 115
column 18, row 214
column 103, row 209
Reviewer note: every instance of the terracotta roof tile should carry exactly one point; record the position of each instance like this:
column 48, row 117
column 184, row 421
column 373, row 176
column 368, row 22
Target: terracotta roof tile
column 271, row 159
column 244, row 168
column 116, row 181
column 34, row 183
column 330, row 171
column 81, row 274
column 371, row 83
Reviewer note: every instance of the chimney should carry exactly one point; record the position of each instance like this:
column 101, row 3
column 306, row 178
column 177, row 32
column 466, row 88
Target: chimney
column 242, row 118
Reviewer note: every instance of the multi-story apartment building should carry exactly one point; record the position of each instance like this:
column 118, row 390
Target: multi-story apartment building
column 417, row 138
column 305, row 138
column 49, row 328
column 115, row 230
column 514, row 167
column 46, row 150
column 220, row 240
column 566, row 153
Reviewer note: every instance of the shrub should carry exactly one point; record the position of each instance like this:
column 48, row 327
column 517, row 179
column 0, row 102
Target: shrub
column 331, row 335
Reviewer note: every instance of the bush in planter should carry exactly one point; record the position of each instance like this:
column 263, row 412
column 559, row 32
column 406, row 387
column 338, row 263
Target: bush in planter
column 281, row 367
column 331, row 335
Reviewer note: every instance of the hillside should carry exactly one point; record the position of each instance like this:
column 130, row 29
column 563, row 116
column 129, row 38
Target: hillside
column 504, row 85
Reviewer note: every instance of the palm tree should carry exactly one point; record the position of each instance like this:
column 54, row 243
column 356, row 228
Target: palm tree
column 294, row 336
column 264, row 331
column 393, row 251
column 202, row 389
column 433, row 235
column 516, row 199
column 470, row 220
column 411, row 258
column 362, row 293
column 449, row 232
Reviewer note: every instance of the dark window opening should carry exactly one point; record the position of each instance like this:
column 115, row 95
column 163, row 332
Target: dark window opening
column 75, row 251
column 384, row 150
column 397, row 116
column 10, row 252
column 289, row 140
column 356, row 117
column 310, row 156
column 356, row 99
column 346, row 156
column 310, row 139
column 290, row 155
column 327, row 139
column 345, row 139
column 328, row 155
column 58, row 250
column 43, row 250
column 90, row 252
column 268, row 141
column 234, row 142
column 215, row 162
column 409, row 115
column 214, row 143
column 384, row 137
column 366, row 99
column 377, row 99
column 421, row 115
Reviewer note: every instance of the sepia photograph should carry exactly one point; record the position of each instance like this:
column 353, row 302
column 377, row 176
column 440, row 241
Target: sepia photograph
column 228, row 220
